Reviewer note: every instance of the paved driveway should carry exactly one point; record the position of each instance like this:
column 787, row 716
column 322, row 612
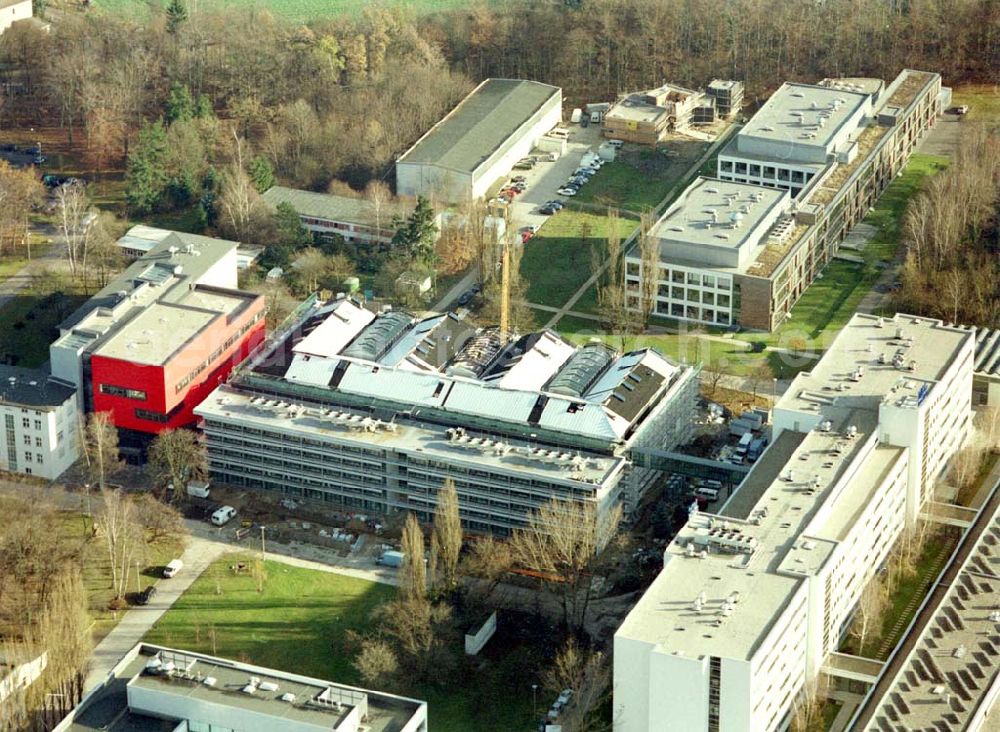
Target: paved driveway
column 138, row 620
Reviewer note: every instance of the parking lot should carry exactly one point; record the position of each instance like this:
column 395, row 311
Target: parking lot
column 545, row 179
column 20, row 156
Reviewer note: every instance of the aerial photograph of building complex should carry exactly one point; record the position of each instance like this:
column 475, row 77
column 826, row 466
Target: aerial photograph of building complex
column 476, row 366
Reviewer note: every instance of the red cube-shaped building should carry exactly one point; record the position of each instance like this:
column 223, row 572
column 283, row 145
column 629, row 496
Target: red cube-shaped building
column 156, row 341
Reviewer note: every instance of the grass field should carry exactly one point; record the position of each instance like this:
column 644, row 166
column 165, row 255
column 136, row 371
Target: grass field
column 983, row 101
column 297, row 11
column 558, row 260
column 298, row 624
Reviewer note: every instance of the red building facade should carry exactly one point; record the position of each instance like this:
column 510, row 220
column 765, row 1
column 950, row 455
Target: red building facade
column 150, row 386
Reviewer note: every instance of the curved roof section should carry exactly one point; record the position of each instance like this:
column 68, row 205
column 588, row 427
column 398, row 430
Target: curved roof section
column 375, row 340
column 581, row 370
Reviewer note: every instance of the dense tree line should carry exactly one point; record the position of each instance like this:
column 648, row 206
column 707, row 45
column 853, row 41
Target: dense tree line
column 601, row 47
column 951, row 236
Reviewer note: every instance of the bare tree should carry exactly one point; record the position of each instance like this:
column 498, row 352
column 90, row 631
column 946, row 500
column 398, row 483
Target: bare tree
column 310, row 266
column 240, row 199
column 561, row 541
column 161, row 520
column 588, row 674
column 100, row 447
column 488, row 561
column 376, row 661
column 649, row 258
column 124, row 535
column 807, row 711
column 413, row 575
column 378, row 195
column 74, row 224
column 447, row 534
column 870, row 610
column 176, row 457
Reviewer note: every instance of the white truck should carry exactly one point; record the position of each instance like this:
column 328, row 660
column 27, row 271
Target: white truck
column 576, row 116
column 198, row 488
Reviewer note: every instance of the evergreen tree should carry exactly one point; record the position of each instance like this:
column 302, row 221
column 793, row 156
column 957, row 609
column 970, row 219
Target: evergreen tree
column 146, row 171
column 177, row 14
column 290, row 231
column 261, row 173
column 203, row 108
column 415, row 234
column 180, row 105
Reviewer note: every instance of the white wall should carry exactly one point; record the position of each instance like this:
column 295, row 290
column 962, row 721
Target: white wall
column 223, row 273
column 9, row 16
column 51, row 434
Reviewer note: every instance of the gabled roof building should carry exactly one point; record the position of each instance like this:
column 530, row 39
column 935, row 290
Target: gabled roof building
column 375, row 410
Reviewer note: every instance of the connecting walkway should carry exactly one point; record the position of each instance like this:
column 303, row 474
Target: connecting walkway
column 949, row 513
column 854, row 668
column 696, row 467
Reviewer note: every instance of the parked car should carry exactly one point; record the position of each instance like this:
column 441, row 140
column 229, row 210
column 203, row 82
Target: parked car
column 173, row 567
column 223, row 515
column 962, row 109
column 615, row 143
column 146, row 595
column 567, row 192
column 546, row 210
column 526, row 236
column 466, row 297
column 39, row 159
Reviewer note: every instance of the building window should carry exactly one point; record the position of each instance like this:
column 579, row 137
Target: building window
column 708, row 280
column 38, row 442
column 741, row 168
column 27, row 457
column 726, row 165
column 677, row 276
column 755, row 170
column 768, row 171
column 39, row 458
column 121, row 391
column 38, row 424
column 27, row 440
column 28, row 471
column 782, row 174
column 26, row 423
column 150, row 416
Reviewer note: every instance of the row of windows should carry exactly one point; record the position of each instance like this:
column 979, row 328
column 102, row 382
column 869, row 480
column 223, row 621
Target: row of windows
column 683, row 277
column 39, row 457
column 123, row 391
column 694, row 296
column 229, row 342
column 765, row 171
column 150, row 416
column 27, row 441
column 26, row 423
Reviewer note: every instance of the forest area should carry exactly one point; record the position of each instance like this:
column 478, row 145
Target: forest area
column 199, row 109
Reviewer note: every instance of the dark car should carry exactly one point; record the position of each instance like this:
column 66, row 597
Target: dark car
column 546, row 210
column 146, row 595
column 466, row 297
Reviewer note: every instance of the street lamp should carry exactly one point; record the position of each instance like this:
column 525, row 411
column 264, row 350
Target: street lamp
column 534, row 700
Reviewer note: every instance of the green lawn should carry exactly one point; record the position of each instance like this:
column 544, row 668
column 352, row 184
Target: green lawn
column 983, row 101
column 623, row 186
column 558, row 260
column 298, row 624
column 298, row 11
column 28, row 325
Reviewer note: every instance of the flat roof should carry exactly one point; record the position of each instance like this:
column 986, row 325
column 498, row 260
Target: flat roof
column 636, row 110
column 162, row 265
column 480, row 124
column 313, row 704
column 31, row 388
column 159, row 330
column 705, row 214
column 576, row 467
column 925, row 343
column 333, row 208
column 774, row 516
column 796, row 108
column 955, row 665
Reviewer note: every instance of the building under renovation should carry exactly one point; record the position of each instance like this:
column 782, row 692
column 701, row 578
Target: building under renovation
column 645, row 117
column 373, row 411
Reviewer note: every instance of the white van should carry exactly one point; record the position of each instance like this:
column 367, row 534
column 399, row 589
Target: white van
column 172, row 568
column 704, row 491
column 576, row 116
column 223, row 515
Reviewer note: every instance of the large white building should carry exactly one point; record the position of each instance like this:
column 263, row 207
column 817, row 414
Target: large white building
column 834, row 147
column 156, row 688
column 715, row 231
column 374, row 411
column 479, row 141
column 12, row 11
column 752, row 600
column 39, row 422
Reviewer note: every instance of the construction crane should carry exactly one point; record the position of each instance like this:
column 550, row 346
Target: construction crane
column 505, row 290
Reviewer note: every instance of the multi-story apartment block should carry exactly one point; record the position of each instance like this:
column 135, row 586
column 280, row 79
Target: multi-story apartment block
column 160, row 337
column 40, row 423
column 752, row 599
column 375, row 411
column 157, row 688
column 835, row 147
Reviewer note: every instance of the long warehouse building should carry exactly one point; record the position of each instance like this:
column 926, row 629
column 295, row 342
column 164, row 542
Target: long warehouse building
column 479, row 141
column 374, row 411
column 752, row 600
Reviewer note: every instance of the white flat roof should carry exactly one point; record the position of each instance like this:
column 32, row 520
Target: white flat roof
column 795, row 109
column 719, row 213
column 330, row 337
